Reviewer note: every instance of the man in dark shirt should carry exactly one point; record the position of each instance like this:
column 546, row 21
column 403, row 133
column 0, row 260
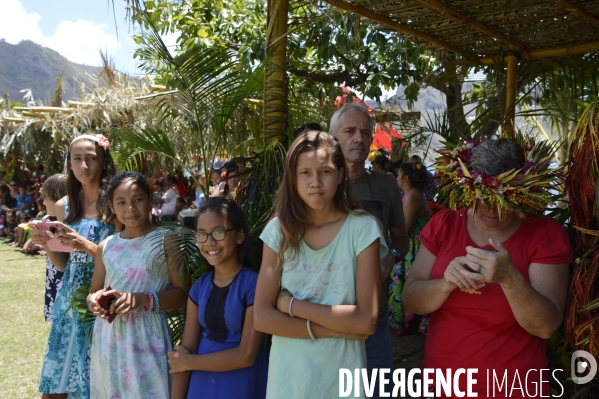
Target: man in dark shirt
column 353, row 127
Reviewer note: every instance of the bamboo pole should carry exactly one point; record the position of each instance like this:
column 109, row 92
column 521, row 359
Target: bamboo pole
column 50, row 109
column 162, row 93
column 510, row 90
column 158, row 87
column 551, row 52
column 75, row 104
column 12, row 119
column 33, row 114
column 275, row 76
column 455, row 16
column 402, row 28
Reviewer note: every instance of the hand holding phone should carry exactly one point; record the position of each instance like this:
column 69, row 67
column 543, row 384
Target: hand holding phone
column 106, row 301
column 54, row 228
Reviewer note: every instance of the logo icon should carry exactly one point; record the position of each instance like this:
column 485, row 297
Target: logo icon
column 578, row 367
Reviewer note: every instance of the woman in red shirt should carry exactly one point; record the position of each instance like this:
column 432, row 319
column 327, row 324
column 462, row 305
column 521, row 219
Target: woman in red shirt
column 494, row 277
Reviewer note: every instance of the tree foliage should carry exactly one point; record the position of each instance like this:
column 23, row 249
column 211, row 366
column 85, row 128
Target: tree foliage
column 326, row 47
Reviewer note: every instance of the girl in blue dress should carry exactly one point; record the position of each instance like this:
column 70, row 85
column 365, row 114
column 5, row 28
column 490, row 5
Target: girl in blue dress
column 221, row 354
column 86, row 222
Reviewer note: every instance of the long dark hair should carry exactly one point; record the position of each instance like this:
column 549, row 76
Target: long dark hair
column 417, row 175
column 289, row 207
column 234, row 216
column 74, row 187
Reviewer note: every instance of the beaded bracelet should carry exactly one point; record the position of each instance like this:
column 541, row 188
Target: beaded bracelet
column 157, row 308
column 149, row 308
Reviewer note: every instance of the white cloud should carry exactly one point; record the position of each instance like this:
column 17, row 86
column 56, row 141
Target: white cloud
column 79, row 41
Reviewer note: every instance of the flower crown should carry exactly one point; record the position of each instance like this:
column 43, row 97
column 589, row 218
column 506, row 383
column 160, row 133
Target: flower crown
column 98, row 138
column 531, row 188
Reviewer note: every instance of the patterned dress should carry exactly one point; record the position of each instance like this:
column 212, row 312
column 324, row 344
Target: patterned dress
column 128, row 358
column 398, row 319
column 66, row 363
column 53, row 284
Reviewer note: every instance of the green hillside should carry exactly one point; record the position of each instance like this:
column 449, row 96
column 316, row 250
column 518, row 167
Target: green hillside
column 28, row 65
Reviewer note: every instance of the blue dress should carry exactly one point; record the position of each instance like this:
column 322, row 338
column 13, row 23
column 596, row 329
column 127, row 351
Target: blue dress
column 221, row 313
column 67, row 358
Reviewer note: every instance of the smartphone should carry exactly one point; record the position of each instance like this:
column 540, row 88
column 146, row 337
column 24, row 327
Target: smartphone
column 106, row 302
column 54, row 244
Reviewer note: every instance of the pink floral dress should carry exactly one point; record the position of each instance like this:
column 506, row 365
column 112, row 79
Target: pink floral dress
column 129, row 355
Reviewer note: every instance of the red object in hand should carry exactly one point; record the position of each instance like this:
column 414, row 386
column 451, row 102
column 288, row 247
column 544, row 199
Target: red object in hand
column 106, row 301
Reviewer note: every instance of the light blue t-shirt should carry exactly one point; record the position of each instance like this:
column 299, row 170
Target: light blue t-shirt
column 302, row 368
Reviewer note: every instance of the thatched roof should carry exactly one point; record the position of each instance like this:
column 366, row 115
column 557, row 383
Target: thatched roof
column 483, row 30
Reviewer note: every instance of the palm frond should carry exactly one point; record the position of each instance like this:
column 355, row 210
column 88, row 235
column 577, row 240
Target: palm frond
column 78, row 301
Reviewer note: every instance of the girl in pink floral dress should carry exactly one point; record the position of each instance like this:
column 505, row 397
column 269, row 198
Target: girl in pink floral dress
column 129, row 353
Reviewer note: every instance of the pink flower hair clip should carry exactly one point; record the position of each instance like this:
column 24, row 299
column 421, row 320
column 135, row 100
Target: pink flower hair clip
column 103, row 142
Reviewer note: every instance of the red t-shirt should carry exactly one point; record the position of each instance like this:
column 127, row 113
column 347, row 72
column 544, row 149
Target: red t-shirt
column 480, row 331
column 181, row 188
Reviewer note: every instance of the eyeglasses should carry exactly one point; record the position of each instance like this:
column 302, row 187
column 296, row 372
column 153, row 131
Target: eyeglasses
column 217, row 235
column 13, row 185
column 310, row 126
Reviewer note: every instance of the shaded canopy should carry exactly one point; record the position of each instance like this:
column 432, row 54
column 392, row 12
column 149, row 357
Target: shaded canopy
column 486, row 30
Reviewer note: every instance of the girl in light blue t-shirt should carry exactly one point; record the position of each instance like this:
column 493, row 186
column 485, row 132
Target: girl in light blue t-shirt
column 318, row 291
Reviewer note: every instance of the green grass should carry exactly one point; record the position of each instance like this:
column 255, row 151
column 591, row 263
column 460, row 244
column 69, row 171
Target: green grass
column 23, row 331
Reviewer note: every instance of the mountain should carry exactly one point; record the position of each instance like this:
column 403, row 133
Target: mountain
column 28, row 65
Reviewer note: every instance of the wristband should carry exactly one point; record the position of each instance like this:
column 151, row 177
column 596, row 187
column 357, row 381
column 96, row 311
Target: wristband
column 396, row 254
column 290, row 303
column 157, row 309
column 310, row 331
column 149, row 308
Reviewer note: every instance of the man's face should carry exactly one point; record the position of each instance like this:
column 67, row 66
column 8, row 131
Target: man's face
column 354, row 136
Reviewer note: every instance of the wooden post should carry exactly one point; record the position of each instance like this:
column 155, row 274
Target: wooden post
column 510, row 91
column 275, row 76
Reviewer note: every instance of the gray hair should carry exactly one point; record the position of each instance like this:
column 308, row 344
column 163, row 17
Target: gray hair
column 353, row 107
column 497, row 156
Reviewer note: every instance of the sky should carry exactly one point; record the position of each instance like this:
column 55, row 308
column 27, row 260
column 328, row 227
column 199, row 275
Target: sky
column 77, row 29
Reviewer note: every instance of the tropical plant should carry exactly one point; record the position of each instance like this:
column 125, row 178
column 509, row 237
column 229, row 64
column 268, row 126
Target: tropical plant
column 204, row 87
column 582, row 313
column 326, row 47
column 257, row 191
column 559, row 97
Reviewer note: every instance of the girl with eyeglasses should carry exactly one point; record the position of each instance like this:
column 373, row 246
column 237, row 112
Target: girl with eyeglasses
column 221, row 354
column 135, row 276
